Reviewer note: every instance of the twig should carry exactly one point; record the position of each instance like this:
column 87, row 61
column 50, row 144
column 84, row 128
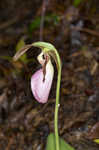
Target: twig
column 10, row 143
column 8, row 23
column 87, row 30
column 94, row 68
column 45, row 3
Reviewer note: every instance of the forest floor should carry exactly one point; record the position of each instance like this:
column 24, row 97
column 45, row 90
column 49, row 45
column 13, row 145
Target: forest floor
column 74, row 31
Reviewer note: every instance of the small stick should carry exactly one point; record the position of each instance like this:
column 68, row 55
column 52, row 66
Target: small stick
column 45, row 3
column 95, row 33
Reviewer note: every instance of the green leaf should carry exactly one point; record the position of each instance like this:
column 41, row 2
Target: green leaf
column 51, row 18
column 96, row 141
column 77, row 2
column 9, row 58
column 51, row 143
column 19, row 45
column 34, row 24
column 64, row 145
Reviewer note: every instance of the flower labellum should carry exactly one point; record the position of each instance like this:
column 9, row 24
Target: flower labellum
column 41, row 81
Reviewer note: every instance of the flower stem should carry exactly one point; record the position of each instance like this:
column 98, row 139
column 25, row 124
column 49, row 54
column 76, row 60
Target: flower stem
column 51, row 50
column 57, row 103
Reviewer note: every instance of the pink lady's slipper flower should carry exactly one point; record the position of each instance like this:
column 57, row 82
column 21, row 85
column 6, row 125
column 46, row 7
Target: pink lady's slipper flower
column 41, row 80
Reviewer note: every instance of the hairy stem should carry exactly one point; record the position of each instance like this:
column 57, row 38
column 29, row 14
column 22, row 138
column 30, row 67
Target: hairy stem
column 57, row 103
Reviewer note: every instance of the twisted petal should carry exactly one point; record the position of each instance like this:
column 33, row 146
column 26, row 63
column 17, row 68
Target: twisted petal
column 40, row 88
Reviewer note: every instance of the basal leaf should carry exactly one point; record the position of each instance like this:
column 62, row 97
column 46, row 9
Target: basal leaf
column 51, row 143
